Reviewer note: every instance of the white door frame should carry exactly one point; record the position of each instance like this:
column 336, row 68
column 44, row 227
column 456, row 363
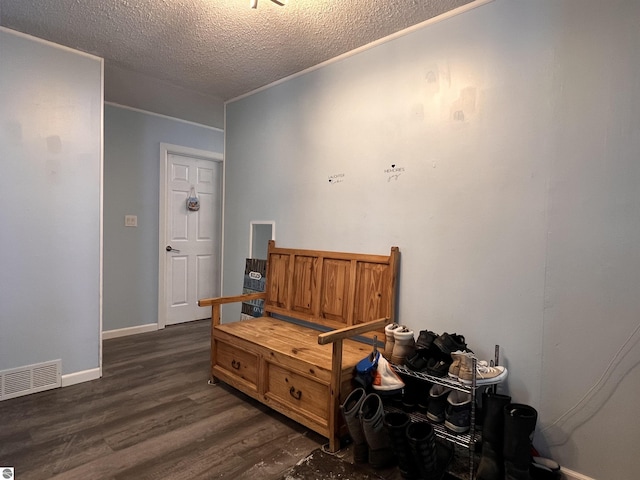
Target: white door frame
column 167, row 149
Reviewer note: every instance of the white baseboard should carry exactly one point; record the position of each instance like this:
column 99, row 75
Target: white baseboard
column 79, row 377
column 123, row 332
column 571, row 475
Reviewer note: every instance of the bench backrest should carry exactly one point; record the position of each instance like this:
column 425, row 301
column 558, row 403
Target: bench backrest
column 332, row 289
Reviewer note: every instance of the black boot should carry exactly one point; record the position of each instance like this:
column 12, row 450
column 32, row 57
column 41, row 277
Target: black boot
column 519, row 425
column 491, row 463
column 371, row 415
column 396, row 424
column 412, row 386
column 351, row 413
column 433, row 457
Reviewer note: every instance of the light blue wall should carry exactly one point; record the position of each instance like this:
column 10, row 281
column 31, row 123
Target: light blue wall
column 499, row 150
column 50, row 187
column 131, row 186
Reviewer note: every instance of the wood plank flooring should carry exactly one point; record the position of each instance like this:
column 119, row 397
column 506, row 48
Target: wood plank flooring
column 151, row 416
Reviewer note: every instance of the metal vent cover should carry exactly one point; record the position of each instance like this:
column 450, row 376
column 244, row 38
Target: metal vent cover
column 20, row 381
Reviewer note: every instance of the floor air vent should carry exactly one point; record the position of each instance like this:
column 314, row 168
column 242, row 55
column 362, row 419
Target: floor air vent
column 30, row 379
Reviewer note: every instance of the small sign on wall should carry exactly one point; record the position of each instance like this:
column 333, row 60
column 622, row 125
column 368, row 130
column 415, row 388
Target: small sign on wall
column 255, row 277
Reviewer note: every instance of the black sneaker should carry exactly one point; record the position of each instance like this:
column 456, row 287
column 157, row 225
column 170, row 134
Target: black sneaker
column 425, row 339
column 439, row 367
column 449, row 343
column 417, row 363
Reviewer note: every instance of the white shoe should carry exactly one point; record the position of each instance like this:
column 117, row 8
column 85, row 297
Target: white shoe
column 385, row 378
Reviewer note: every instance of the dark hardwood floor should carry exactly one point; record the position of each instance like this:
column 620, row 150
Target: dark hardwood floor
column 151, row 416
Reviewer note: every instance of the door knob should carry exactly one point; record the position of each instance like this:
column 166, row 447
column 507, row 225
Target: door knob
column 171, row 249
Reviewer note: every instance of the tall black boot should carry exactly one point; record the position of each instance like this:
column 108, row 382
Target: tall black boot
column 410, row 397
column 396, row 424
column 519, row 425
column 491, row 463
column 433, row 457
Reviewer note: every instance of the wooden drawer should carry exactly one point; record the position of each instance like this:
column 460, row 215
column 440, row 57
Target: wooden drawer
column 237, row 362
column 302, row 395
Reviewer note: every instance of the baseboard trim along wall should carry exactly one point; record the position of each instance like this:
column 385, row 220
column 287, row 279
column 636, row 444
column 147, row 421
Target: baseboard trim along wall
column 571, row 475
column 123, row 332
column 80, row 377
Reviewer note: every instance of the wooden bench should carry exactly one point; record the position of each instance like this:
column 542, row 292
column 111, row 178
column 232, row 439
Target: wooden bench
column 299, row 357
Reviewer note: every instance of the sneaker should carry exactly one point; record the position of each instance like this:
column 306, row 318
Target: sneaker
column 454, row 368
column 437, row 403
column 425, row 340
column 448, row 343
column 424, row 351
column 485, row 373
column 458, row 412
column 417, row 363
column 385, row 379
column 438, row 367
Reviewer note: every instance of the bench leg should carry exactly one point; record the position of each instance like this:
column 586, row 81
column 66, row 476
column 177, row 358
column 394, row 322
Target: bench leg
column 215, row 320
column 334, row 443
column 334, row 407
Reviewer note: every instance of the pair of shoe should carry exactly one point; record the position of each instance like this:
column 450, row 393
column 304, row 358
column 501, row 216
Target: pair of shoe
column 507, row 432
column 453, row 407
column 363, row 415
column 418, row 453
column 399, row 343
column 461, row 369
column 433, row 352
column 424, row 348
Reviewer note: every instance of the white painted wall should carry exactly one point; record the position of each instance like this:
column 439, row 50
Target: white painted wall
column 132, row 185
column 50, row 195
column 498, row 149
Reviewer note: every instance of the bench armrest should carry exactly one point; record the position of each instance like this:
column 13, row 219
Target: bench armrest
column 215, row 303
column 208, row 302
column 347, row 332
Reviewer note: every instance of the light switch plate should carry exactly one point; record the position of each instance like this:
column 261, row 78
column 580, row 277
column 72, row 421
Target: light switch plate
column 130, row 220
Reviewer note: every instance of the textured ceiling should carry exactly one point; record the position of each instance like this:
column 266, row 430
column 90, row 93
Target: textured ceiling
column 220, row 48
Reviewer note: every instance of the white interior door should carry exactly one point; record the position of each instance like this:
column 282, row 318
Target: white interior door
column 193, row 238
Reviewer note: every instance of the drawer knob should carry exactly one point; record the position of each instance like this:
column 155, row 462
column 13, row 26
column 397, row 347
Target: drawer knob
column 235, row 364
column 297, row 394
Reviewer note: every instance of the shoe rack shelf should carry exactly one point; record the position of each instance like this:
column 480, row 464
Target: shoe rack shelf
column 466, row 440
column 462, row 439
column 445, row 381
